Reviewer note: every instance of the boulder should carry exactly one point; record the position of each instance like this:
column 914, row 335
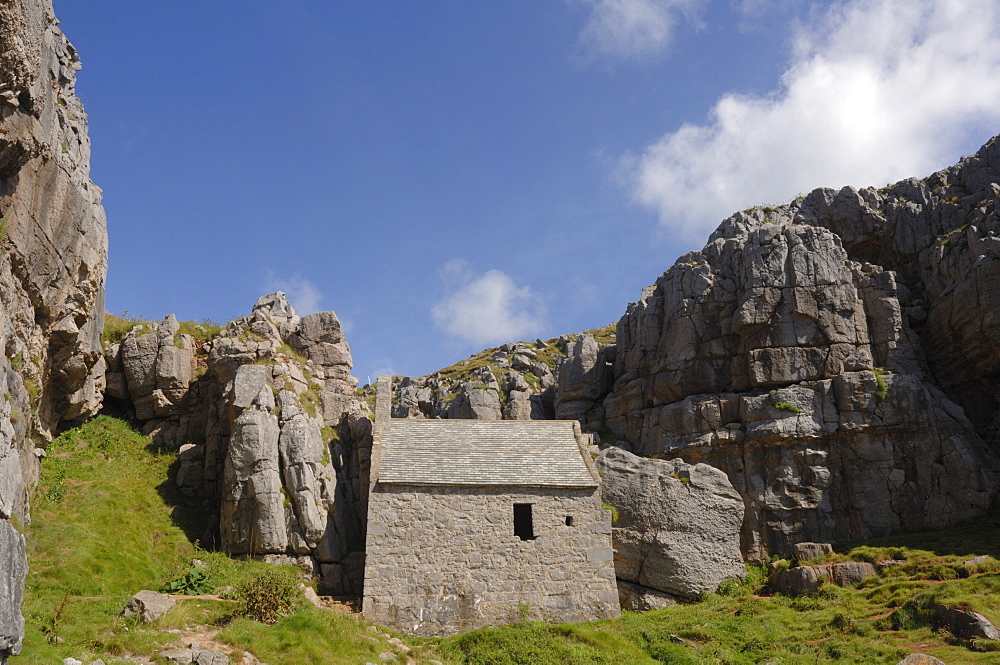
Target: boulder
column 148, row 606
column 678, row 524
column 965, row 623
column 476, row 402
column 920, row 659
column 807, row 579
column 810, row 551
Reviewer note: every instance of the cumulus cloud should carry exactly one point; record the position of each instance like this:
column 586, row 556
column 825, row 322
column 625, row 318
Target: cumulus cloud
column 301, row 292
column 635, row 28
column 486, row 309
column 876, row 90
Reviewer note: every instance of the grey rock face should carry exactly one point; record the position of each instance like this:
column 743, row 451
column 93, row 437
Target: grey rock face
column 321, row 338
column 638, row 598
column 158, row 368
column 582, row 381
column 52, row 268
column 476, row 403
column 148, row 606
column 11, row 589
column 273, row 441
column 792, row 353
column 678, row 524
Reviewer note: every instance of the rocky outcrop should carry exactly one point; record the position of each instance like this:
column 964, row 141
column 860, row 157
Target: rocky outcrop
column 677, row 526
column 584, row 379
column 53, row 260
column 269, row 432
column 517, row 381
column 807, row 579
column 807, row 352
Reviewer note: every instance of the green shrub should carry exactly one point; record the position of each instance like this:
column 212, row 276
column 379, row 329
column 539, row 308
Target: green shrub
column 786, row 406
column 267, row 596
column 192, row 583
column 614, row 511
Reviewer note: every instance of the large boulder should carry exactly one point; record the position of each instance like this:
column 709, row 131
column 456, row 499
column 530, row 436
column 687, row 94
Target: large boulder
column 476, row 402
column 965, row 623
column 148, row 606
column 678, row 525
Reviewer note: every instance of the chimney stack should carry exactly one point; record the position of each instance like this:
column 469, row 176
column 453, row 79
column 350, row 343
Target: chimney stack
column 383, row 405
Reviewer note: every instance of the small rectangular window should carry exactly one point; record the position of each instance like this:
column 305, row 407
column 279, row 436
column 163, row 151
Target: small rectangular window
column 523, row 528
column 569, row 520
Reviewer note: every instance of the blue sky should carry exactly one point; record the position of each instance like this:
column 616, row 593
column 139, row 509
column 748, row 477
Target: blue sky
column 450, row 175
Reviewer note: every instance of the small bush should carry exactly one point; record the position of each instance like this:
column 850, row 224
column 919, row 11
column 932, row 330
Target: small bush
column 786, row 406
column 267, row 596
column 192, row 583
column 614, row 511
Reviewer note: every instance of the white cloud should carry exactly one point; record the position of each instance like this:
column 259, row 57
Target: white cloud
column 635, row 28
column 301, row 292
column 877, row 90
column 486, row 309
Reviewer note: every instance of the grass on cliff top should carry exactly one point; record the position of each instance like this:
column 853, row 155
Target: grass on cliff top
column 106, row 523
column 549, row 354
column 117, row 326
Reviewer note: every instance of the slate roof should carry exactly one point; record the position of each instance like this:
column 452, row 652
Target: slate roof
column 483, row 452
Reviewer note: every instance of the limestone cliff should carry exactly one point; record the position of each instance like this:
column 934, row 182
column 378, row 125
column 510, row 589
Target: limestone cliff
column 836, row 357
column 272, row 439
column 53, row 261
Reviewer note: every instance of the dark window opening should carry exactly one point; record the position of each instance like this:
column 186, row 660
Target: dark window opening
column 522, row 521
column 569, row 520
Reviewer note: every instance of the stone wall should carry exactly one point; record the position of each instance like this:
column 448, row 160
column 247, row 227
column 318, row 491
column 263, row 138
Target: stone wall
column 443, row 560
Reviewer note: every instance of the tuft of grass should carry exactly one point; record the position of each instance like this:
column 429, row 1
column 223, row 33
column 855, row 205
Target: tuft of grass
column 786, row 406
column 117, row 326
column 880, row 387
column 203, row 331
column 310, row 399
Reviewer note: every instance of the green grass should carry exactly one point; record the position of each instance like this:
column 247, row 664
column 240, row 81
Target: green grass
column 202, row 332
column 117, row 326
column 308, row 636
column 107, row 523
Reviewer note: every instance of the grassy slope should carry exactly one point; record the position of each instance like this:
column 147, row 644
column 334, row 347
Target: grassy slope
column 105, row 527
